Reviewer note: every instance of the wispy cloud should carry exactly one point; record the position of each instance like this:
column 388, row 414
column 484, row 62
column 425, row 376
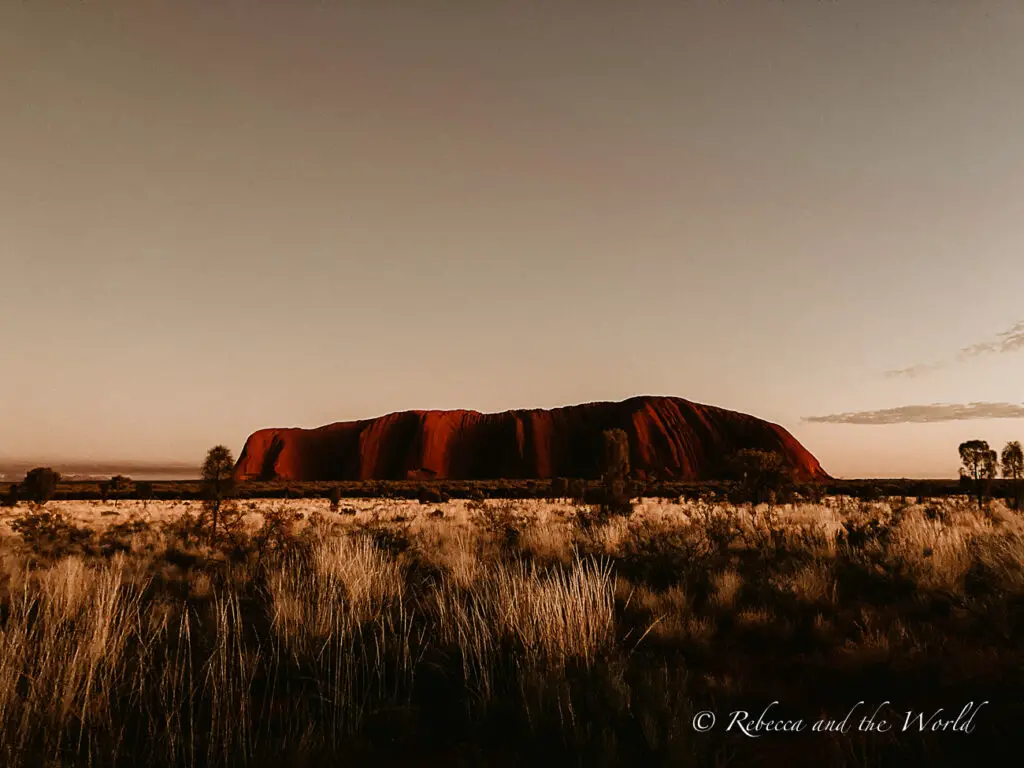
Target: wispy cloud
column 1007, row 341
column 914, row 370
column 918, row 414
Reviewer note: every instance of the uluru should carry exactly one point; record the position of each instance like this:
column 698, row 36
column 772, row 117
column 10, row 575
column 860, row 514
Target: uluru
column 668, row 436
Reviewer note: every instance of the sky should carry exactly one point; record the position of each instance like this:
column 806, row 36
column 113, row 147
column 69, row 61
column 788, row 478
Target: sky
column 220, row 215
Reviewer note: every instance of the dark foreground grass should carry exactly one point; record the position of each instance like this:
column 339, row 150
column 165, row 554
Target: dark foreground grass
column 517, row 634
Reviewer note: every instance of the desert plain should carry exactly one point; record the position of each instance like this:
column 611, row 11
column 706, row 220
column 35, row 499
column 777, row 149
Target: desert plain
column 510, row 632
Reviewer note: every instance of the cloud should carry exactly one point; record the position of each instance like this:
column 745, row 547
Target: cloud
column 914, row 371
column 1007, row 341
column 923, row 414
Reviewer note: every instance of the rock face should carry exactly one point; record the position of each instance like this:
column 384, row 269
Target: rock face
column 675, row 438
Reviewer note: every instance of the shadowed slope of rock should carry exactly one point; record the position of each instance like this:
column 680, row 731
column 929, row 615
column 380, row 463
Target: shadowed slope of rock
column 668, row 435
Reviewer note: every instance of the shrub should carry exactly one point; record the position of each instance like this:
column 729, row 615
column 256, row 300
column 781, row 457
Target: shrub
column 186, row 526
column 117, row 537
column 578, row 490
column 50, row 534
column 144, row 490
column 117, row 486
column 392, row 539
column 505, row 521
column 860, row 534
column 40, row 485
column 276, row 535
column 427, row 495
column 616, row 455
column 759, row 474
column 559, row 487
column 120, row 483
column 10, row 499
column 616, row 499
column 812, row 492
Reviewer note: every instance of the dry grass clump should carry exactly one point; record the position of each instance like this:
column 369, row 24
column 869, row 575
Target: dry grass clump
column 549, row 544
column 1000, row 557
column 700, row 630
column 672, row 600
column 755, row 617
column 813, row 583
column 458, row 554
column 667, row 613
column 66, row 650
column 937, row 556
column 725, row 586
column 551, row 617
column 339, row 583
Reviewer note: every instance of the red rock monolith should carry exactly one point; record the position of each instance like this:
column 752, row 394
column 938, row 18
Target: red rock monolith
column 673, row 437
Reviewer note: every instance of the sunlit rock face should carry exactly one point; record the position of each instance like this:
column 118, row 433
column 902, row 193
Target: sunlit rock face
column 668, row 436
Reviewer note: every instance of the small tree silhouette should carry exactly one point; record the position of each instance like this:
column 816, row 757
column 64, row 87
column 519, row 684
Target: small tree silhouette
column 119, row 484
column 218, row 483
column 39, row 485
column 615, row 473
column 144, row 490
column 577, row 489
column 761, row 474
column 979, row 466
column 1013, row 469
column 10, row 499
column 616, row 455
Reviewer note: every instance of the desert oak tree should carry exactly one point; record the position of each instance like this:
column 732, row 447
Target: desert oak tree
column 1013, row 469
column 979, row 465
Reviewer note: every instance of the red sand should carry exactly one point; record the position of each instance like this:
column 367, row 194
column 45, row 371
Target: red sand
column 668, row 435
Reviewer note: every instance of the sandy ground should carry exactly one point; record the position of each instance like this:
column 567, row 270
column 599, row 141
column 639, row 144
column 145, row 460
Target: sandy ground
column 100, row 514
column 550, row 516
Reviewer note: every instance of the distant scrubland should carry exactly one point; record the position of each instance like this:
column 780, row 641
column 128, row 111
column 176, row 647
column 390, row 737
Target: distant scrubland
column 559, row 488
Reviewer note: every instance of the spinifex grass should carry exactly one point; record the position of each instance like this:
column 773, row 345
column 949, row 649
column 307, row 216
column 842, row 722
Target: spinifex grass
column 397, row 633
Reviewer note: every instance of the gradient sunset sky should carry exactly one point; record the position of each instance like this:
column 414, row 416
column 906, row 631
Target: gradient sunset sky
column 221, row 215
